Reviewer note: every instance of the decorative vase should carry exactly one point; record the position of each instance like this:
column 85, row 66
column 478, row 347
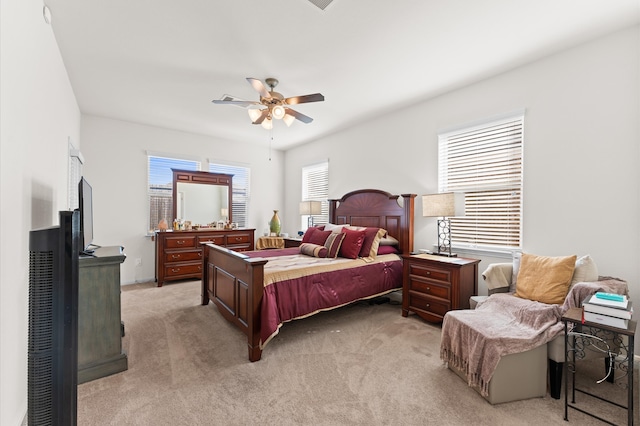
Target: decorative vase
column 274, row 224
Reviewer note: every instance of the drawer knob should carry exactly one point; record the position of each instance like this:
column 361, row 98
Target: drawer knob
column 428, row 288
column 175, row 269
column 427, row 305
column 180, row 242
column 238, row 239
column 175, row 256
column 428, row 273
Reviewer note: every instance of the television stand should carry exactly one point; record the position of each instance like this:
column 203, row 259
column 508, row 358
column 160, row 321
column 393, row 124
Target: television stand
column 100, row 327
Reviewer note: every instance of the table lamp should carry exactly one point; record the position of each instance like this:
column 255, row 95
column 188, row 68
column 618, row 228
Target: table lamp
column 310, row 208
column 443, row 205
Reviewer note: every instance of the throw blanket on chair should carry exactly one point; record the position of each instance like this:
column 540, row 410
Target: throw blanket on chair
column 473, row 341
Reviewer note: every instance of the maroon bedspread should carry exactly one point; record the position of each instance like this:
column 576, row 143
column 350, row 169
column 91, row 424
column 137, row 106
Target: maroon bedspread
column 290, row 299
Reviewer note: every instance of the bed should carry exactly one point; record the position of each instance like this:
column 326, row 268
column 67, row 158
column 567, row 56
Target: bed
column 259, row 291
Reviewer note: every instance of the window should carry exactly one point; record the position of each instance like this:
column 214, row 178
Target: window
column 75, row 173
column 485, row 162
column 240, row 191
column 160, row 184
column 315, row 187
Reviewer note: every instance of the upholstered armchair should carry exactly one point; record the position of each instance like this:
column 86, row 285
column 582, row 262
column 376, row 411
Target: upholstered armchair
column 543, row 289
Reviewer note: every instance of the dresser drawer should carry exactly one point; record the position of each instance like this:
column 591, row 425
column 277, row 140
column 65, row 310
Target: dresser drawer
column 429, row 305
column 430, row 272
column 181, row 269
column 430, row 288
column 243, row 247
column 238, row 239
column 183, row 241
column 215, row 239
column 183, row 256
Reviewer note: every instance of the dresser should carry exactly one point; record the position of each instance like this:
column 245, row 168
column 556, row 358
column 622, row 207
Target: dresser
column 179, row 253
column 433, row 285
column 100, row 327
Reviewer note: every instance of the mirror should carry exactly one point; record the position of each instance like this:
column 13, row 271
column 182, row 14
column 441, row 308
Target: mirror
column 201, row 197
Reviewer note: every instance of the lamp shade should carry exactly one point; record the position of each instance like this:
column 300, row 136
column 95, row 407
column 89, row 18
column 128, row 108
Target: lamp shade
column 254, row 114
column 267, row 123
column 278, row 112
column 310, row 207
column 288, row 119
column 446, row 204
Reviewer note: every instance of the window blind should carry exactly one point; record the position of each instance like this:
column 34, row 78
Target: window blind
column 485, row 162
column 240, row 190
column 160, row 186
column 315, row 187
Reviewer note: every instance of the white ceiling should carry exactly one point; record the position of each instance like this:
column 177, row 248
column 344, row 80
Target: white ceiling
column 161, row 62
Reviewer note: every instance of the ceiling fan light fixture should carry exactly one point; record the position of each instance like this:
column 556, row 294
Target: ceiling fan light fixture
column 288, row 119
column 254, row 114
column 267, row 123
column 278, row 112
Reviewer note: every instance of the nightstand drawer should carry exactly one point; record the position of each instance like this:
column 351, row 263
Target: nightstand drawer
column 429, row 305
column 430, row 272
column 430, row 288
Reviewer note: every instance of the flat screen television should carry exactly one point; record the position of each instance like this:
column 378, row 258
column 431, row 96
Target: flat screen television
column 85, row 193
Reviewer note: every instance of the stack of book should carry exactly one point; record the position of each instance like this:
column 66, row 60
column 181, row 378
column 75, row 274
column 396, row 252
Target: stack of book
column 610, row 309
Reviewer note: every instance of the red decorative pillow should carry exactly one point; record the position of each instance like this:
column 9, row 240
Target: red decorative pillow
column 333, row 244
column 370, row 235
column 352, row 243
column 387, row 250
column 307, row 235
column 319, row 237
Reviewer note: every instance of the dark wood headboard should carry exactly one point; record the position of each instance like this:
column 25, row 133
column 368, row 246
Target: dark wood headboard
column 375, row 208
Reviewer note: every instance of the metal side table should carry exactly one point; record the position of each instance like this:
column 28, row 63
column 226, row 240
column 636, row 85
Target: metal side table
column 585, row 336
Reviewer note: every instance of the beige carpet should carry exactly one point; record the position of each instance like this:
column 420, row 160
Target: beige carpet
column 359, row 365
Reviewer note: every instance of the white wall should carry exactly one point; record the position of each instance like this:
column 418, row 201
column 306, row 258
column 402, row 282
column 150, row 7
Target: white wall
column 581, row 153
column 38, row 112
column 115, row 155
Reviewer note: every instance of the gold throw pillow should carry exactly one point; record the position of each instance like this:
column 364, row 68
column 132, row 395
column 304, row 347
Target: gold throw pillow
column 545, row 279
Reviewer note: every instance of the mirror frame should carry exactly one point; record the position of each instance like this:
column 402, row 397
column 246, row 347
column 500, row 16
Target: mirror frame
column 202, row 178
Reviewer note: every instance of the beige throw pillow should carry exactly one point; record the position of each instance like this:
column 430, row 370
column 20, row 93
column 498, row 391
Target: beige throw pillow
column 545, row 279
column 586, row 270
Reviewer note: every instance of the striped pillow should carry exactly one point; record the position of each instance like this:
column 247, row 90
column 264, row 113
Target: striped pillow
column 333, row 244
column 314, row 250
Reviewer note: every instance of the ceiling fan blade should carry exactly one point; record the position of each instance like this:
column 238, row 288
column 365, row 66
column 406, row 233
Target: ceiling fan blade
column 316, row 97
column 264, row 114
column 257, row 84
column 238, row 103
column 299, row 116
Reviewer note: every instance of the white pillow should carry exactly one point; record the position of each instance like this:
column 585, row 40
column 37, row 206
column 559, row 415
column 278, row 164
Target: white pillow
column 516, row 268
column 389, row 241
column 336, row 229
column 586, row 270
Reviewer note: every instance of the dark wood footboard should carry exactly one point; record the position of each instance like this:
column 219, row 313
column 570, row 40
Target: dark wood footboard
column 234, row 283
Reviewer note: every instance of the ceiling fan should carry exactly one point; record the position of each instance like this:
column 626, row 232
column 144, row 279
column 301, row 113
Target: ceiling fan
column 272, row 105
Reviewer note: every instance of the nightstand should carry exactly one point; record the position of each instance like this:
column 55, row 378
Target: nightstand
column 292, row 242
column 433, row 285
